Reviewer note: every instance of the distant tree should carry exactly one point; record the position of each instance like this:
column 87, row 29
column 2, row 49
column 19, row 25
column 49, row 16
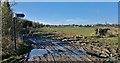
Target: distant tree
column 101, row 32
column 24, row 23
column 99, row 25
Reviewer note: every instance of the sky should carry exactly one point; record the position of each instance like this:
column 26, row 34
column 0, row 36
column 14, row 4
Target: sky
column 62, row 13
column 64, row 0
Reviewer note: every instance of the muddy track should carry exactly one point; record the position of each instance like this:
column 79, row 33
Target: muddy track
column 50, row 50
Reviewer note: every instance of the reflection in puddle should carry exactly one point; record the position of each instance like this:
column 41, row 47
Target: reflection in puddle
column 37, row 52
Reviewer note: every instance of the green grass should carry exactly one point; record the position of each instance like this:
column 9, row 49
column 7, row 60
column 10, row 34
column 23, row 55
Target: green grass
column 112, row 41
column 78, row 31
column 74, row 31
column 109, row 39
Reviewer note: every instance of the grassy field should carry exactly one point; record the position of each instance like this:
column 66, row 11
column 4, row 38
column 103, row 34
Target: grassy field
column 79, row 31
column 108, row 42
column 113, row 41
column 70, row 31
column 76, row 31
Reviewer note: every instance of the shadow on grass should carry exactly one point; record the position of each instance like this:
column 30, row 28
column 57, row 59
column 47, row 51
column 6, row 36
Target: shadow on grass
column 48, row 35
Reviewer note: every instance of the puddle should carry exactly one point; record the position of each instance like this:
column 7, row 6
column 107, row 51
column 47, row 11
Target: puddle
column 37, row 52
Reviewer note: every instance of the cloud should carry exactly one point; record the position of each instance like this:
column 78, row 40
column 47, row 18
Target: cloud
column 79, row 21
column 68, row 21
column 64, row 21
column 43, row 21
column 75, row 20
